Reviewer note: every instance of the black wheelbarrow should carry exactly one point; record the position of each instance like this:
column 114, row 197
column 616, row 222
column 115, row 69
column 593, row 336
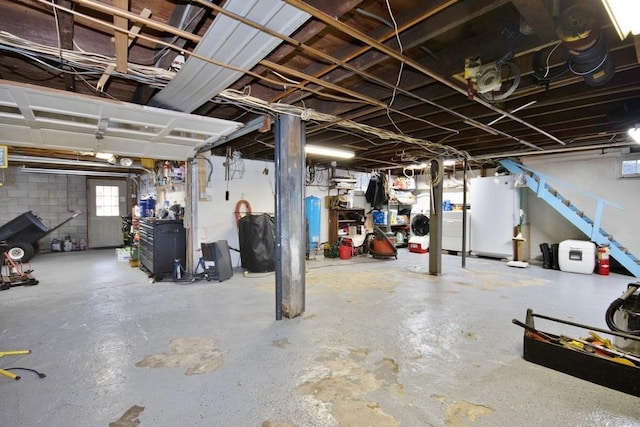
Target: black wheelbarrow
column 25, row 232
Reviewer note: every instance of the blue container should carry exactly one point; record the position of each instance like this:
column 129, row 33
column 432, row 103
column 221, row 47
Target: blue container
column 312, row 209
column 147, row 207
column 378, row 217
column 143, row 208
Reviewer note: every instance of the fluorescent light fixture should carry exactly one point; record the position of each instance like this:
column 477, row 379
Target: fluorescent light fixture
column 634, row 133
column 329, row 152
column 624, row 16
column 47, row 171
column 64, row 162
column 449, row 162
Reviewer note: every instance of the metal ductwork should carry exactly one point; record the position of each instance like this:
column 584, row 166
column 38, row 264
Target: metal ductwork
column 230, row 42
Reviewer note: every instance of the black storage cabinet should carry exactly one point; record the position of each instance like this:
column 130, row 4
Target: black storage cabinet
column 162, row 241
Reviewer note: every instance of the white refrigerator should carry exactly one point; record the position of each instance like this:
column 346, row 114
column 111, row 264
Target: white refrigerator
column 495, row 204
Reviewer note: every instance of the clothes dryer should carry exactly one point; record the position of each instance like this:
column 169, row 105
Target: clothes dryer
column 419, row 225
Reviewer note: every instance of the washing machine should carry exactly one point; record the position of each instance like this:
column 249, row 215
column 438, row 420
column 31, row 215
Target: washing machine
column 419, row 225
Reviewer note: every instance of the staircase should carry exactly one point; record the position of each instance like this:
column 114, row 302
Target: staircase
column 537, row 182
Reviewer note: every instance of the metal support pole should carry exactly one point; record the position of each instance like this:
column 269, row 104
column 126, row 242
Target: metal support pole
column 435, row 222
column 464, row 213
column 290, row 216
column 190, row 221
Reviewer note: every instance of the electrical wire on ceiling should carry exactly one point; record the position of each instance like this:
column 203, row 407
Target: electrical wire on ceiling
column 55, row 18
column 181, row 26
column 200, row 57
column 305, row 88
column 96, row 90
column 395, row 87
column 364, row 38
column 340, row 63
column 307, row 114
column 358, row 98
column 370, row 141
column 91, row 63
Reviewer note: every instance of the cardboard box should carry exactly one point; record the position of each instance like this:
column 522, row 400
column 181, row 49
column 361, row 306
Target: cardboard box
column 123, row 254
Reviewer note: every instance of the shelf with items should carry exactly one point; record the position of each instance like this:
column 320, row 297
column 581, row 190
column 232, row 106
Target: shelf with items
column 399, row 214
column 341, row 219
column 343, row 182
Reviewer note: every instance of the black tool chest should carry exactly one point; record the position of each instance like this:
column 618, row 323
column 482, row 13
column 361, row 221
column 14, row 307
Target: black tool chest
column 162, row 241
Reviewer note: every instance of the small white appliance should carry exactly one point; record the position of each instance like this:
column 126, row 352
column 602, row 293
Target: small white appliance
column 577, row 256
column 419, row 224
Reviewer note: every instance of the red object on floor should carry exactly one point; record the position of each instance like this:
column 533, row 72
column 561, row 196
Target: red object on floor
column 417, row 248
column 603, row 261
column 345, row 251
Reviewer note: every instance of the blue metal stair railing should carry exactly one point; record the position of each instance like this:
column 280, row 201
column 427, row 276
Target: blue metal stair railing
column 538, row 183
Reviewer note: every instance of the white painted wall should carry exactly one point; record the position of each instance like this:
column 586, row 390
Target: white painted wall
column 216, row 217
column 596, row 173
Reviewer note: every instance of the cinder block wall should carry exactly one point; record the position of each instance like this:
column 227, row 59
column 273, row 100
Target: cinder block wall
column 53, row 198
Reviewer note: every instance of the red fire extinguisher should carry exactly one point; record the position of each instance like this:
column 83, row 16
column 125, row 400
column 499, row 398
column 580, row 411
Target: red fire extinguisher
column 603, row 260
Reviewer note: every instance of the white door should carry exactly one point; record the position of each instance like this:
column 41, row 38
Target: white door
column 106, row 203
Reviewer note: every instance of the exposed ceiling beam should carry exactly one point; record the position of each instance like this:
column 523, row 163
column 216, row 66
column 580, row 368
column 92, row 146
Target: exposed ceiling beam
column 121, row 37
column 110, row 10
column 537, row 16
column 65, row 27
column 185, row 17
column 405, row 24
column 338, row 63
column 410, row 62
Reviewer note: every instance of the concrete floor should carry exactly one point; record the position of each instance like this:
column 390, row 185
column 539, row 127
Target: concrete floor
column 381, row 343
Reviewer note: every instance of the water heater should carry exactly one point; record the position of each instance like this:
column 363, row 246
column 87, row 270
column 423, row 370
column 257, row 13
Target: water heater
column 312, row 209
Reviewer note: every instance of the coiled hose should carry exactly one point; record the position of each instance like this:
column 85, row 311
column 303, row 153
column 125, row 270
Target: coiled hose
column 615, row 305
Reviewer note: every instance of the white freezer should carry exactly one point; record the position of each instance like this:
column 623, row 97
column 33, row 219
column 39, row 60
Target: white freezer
column 495, row 204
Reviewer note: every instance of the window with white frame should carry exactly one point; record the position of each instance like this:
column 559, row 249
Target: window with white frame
column 107, row 200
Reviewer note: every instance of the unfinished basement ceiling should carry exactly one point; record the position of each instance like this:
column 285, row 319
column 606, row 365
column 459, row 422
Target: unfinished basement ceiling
column 385, row 79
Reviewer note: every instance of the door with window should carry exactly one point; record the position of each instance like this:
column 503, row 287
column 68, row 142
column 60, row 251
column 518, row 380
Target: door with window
column 105, row 205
